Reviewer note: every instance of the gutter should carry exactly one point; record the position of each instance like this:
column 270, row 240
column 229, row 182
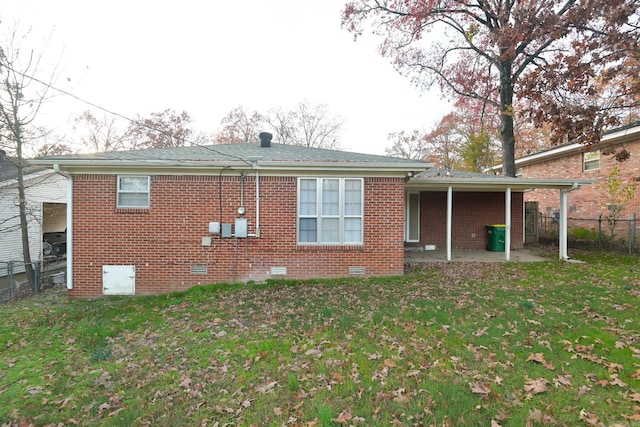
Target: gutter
column 497, row 183
column 262, row 164
column 614, row 136
column 56, row 169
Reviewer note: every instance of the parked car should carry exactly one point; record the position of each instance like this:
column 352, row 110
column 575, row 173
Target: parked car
column 54, row 244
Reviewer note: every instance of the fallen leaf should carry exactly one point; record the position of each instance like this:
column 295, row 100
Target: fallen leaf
column 34, row 390
column 535, row 415
column 616, row 381
column 561, row 380
column 582, row 390
column 103, row 407
column 634, row 417
column 479, row 388
column 401, row 399
column 614, row 367
column 313, row 352
column 342, row 418
column 480, row 332
column 539, row 358
column 116, row 412
column 277, row 410
column 413, row 373
column 338, row 377
column 267, row 388
column 590, row 419
column 536, row 386
column 186, row 382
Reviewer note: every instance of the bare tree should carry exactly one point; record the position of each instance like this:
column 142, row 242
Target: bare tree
column 99, row 134
column 282, row 123
column 21, row 98
column 240, row 127
column 305, row 125
column 166, row 129
column 407, row 145
column 315, row 126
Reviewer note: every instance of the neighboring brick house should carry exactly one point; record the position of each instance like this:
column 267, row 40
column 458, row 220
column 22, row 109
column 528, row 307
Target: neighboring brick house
column 162, row 220
column 595, row 162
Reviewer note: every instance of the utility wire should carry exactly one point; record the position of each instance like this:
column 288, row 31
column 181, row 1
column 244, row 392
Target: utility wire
column 122, row 116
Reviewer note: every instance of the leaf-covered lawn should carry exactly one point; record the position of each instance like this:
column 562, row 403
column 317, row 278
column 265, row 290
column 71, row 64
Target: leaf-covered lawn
column 454, row 344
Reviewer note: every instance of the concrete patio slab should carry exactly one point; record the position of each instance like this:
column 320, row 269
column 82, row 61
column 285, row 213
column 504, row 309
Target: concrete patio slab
column 520, row 255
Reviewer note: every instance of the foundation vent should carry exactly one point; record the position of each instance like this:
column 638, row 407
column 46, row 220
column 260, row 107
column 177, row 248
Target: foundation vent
column 198, row 269
column 356, row 271
column 278, row 271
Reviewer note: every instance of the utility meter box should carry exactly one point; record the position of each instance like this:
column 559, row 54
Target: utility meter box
column 241, row 227
column 214, row 227
column 227, row 230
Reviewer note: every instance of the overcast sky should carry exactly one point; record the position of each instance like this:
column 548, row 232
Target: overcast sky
column 207, row 57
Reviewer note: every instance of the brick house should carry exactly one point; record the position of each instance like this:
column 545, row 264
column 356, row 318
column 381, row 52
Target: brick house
column 595, row 162
column 163, row 220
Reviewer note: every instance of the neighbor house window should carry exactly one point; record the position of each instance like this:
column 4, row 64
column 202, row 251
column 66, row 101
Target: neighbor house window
column 591, row 160
column 330, row 210
column 133, row 191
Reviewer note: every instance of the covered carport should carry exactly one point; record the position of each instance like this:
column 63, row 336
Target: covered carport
column 451, row 183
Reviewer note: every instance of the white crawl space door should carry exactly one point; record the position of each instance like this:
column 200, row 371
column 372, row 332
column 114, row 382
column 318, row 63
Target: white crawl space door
column 118, row 279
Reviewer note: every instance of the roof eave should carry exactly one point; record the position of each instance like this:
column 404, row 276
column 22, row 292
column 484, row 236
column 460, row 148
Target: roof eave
column 497, row 183
column 198, row 166
column 615, row 137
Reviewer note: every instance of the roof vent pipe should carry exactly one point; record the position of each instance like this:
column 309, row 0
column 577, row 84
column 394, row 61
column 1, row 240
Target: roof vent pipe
column 265, row 139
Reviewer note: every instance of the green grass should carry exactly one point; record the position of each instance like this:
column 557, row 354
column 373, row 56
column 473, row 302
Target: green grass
column 451, row 344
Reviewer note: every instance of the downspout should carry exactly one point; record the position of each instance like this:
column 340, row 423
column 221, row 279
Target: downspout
column 449, row 220
column 257, row 232
column 69, row 279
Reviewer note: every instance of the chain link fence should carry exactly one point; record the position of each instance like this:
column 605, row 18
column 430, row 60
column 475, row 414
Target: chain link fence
column 14, row 283
column 601, row 232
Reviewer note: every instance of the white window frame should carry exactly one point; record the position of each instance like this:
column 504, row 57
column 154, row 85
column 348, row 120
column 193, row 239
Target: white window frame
column 590, row 158
column 147, row 205
column 341, row 216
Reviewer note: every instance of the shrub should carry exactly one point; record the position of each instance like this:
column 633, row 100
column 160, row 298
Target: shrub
column 582, row 233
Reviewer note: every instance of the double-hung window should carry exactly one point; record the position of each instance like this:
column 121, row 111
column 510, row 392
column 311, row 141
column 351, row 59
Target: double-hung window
column 591, row 160
column 133, row 191
column 330, row 211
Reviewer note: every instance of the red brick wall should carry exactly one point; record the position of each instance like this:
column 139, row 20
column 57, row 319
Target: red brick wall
column 165, row 241
column 587, row 202
column 472, row 212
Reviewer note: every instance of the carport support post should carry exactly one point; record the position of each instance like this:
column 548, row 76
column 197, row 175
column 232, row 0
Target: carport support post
column 562, row 226
column 507, row 224
column 449, row 220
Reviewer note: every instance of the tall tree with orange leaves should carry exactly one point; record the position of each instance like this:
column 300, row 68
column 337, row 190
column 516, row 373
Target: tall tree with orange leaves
column 503, row 52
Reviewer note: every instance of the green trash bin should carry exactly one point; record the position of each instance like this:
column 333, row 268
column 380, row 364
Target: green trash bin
column 496, row 234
